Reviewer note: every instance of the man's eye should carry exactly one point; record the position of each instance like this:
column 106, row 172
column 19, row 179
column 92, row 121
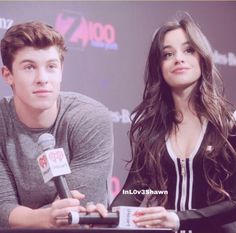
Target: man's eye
column 52, row 66
column 29, row 67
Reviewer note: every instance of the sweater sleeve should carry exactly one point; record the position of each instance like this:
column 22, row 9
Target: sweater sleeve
column 8, row 193
column 217, row 214
column 92, row 154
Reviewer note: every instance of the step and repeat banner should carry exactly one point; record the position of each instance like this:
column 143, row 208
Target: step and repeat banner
column 108, row 44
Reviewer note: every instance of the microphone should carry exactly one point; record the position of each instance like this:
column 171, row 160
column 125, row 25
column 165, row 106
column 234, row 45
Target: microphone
column 92, row 218
column 53, row 164
column 122, row 217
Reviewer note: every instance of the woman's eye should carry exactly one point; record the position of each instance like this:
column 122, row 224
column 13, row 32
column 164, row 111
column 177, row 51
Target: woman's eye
column 190, row 50
column 168, row 55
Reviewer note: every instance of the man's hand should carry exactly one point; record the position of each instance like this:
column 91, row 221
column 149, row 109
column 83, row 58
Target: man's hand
column 60, row 208
column 100, row 208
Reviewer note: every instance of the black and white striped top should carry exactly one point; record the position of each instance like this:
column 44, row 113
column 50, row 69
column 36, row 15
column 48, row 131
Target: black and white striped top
column 187, row 189
column 184, row 175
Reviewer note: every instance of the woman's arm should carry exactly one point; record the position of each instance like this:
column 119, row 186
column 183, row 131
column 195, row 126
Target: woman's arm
column 123, row 199
column 211, row 217
column 217, row 214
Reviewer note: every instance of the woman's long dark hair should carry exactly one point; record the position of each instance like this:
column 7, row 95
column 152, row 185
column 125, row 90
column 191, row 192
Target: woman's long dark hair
column 155, row 117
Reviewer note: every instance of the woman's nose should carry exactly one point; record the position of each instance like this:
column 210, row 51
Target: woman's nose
column 179, row 57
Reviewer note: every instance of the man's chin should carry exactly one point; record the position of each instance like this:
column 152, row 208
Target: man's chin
column 46, row 106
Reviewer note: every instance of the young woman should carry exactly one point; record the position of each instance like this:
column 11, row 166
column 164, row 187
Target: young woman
column 182, row 137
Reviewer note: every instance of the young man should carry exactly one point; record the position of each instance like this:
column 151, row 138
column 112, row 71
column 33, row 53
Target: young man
column 32, row 55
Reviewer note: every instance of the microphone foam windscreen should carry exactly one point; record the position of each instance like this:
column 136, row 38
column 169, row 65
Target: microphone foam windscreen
column 46, row 141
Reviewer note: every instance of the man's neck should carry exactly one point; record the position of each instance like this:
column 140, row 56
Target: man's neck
column 37, row 118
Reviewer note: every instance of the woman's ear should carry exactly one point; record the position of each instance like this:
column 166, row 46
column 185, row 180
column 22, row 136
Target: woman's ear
column 7, row 75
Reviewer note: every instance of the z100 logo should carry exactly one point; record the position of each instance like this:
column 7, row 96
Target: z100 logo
column 81, row 32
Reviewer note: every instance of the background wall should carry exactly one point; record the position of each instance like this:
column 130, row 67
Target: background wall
column 108, row 44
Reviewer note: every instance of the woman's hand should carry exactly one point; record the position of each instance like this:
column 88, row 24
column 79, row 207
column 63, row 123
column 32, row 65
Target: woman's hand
column 156, row 217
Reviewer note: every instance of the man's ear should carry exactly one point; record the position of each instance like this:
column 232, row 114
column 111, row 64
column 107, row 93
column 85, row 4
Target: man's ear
column 7, row 75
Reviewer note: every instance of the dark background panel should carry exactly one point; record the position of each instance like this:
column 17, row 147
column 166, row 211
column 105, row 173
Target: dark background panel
column 114, row 75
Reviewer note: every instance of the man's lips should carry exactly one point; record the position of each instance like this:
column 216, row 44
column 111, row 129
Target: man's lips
column 42, row 92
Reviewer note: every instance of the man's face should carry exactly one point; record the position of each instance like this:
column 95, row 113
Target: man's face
column 36, row 78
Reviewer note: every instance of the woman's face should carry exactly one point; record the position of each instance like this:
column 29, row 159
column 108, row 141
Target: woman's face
column 180, row 62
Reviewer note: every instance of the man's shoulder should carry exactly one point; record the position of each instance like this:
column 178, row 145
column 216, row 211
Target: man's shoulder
column 5, row 104
column 6, row 116
column 6, row 100
column 75, row 98
column 78, row 108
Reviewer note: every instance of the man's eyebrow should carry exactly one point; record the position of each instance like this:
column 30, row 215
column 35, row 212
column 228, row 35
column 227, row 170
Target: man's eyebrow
column 53, row 60
column 32, row 61
column 27, row 60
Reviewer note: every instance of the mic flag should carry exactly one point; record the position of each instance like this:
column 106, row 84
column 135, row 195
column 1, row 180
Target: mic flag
column 53, row 164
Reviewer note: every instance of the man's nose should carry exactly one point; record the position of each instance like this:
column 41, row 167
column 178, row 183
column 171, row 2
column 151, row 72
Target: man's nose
column 41, row 76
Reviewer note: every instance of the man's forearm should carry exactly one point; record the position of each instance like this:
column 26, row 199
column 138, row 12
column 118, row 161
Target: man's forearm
column 25, row 217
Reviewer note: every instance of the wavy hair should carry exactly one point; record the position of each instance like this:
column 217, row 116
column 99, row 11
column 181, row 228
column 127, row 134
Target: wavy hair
column 34, row 34
column 155, row 117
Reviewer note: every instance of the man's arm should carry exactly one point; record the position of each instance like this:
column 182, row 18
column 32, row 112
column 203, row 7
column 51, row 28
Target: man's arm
column 25, row 217
column 15, row 215
column 91, row 153
column 8, row 193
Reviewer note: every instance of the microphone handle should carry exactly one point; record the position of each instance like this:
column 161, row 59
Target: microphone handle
column 93, row 218
column 62, row 187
